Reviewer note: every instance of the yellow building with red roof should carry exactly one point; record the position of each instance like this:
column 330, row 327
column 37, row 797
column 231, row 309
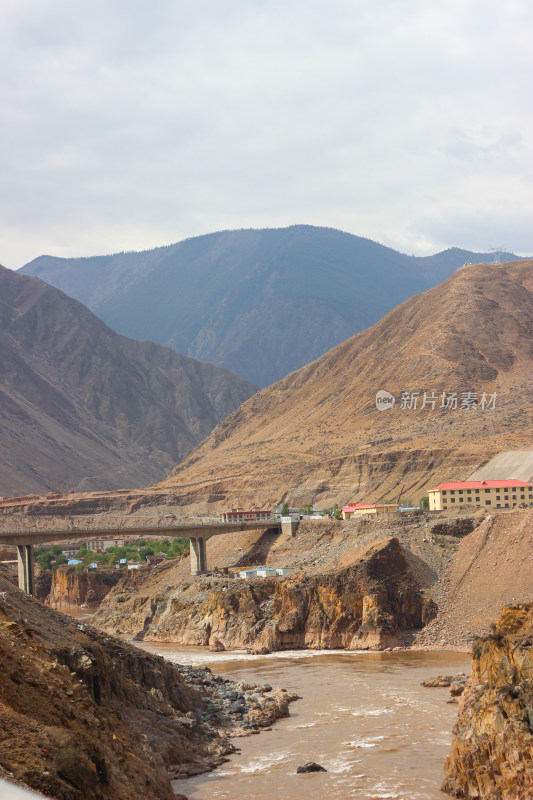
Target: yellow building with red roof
column 490, row 494
column 360, row 509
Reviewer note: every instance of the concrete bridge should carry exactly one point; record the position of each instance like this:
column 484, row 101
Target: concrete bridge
column 25, row 540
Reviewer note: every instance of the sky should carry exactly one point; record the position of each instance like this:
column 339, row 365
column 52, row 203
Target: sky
column 125, row 125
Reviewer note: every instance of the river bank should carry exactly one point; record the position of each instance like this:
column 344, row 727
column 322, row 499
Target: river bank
column 85, row 716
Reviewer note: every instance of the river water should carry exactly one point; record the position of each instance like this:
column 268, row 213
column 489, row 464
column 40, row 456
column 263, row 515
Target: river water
column 363, row 716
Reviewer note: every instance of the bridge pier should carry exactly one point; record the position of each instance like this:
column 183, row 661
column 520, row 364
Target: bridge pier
column 25, row 568
column 198, row 555
column 289, row 526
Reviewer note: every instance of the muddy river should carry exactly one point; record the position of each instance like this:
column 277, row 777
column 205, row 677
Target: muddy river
column 363, row 716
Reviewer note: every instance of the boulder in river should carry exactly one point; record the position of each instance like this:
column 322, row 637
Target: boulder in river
column 311, row 766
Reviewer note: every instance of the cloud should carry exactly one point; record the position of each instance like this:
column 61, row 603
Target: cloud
column 127, row 125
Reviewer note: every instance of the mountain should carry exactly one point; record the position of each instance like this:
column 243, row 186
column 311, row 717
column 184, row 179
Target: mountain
column 82, row 407
column 261, row 303
column 318, row 437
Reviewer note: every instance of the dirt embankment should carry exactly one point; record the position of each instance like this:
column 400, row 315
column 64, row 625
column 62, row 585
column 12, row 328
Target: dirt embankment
column 492, row 750
column 493, row 566
column 84, row 716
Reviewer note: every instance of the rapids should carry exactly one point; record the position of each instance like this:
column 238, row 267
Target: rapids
column 363, row 716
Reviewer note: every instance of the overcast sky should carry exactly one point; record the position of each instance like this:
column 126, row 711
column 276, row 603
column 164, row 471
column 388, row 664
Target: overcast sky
column 128, row 124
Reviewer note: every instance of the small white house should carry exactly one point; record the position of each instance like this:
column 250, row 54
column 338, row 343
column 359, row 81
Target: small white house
column 247, row 573
column 284, row 570
column 267, row 572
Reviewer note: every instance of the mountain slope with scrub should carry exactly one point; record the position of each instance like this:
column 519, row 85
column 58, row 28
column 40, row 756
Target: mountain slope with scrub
column 318, row 437
column 82, row 407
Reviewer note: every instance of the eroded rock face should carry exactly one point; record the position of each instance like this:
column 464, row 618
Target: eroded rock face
column 366, row 605
column 492, row 752
column 71, row 588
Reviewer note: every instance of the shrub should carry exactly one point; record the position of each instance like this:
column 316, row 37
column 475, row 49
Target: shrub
column 74, row 766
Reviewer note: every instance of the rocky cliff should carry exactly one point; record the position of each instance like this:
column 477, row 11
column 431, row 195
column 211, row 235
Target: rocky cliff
column 355, row 585
column 438, row 563
column 71, row 588
column 492, row 750
column 84, row 716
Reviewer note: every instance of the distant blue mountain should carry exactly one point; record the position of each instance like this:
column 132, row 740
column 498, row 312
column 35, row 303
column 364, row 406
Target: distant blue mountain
column 261, row 303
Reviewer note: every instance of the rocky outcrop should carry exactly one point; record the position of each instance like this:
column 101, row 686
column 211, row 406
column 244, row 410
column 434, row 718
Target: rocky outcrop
column 84, row 716
column 367, row 604
column 492, row 750
column 43, row 583
column 88, row 589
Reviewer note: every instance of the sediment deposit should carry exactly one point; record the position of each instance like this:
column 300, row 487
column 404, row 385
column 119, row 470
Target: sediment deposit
column 492, row 750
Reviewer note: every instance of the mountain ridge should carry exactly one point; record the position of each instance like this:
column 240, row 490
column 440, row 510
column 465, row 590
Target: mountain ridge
column 260, row 302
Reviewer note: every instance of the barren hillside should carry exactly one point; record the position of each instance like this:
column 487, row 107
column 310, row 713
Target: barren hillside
column 82, row 407
column 317, row 436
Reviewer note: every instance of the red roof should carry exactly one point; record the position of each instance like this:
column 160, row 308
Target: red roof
column 481, row 485
column 354, row 506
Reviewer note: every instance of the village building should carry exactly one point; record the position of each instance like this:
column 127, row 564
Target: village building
column 293, row 513
column 363, row 509
column 101, row 545
column 490, row 494
column 240, row 515
column 157, row 559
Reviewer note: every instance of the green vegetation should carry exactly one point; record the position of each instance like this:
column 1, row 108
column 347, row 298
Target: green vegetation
column 285, row 510
column 307, row 509
column 50, row 556
column 332, row 511
column 424, row 503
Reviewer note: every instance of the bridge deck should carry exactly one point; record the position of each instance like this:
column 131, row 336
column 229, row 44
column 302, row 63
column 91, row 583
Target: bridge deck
column 187, row 531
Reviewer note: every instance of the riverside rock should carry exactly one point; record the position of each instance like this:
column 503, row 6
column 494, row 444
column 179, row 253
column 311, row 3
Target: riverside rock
column 311, row 766
column 492, row 750
column 72, row 588
column 368, row 601
column 85, row 716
